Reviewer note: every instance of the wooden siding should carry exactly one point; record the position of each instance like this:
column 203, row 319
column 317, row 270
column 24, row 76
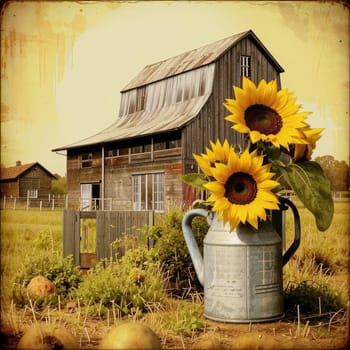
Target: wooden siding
column 118, row 171
column 35, row 178
column 118, row 177
column 77, row 175
column 10, row 188
column 210, row 123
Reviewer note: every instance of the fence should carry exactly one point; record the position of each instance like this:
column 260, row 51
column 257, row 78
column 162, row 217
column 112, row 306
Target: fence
column 95, row 204
column 51, row 202
column 109, row 226
column 91, row 204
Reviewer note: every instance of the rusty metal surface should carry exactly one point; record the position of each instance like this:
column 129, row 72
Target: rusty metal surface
column 183, row 62
column 191, row 60
column 146, row 123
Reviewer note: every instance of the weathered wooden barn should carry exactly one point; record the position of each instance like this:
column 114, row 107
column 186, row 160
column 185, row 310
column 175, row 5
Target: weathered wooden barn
column 26, row 181
column 169, row 111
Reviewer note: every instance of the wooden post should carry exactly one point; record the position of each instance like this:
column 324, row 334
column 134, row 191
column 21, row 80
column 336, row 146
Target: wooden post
column 14, row 204
column 77, row 238
column 40, row 204
column 4, row 202
column 71, row 237
column 53, row 204
column 28, row 203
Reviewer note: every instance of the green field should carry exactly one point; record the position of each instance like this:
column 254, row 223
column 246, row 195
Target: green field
column 322, row 260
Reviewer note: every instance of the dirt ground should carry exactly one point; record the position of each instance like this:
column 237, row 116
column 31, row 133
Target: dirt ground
column 315, row 332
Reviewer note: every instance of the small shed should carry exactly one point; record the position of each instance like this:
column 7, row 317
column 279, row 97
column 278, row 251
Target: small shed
column 169, row 111
column 30, row 180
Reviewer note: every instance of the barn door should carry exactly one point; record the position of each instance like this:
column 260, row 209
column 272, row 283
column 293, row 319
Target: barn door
column 85, row 196
column 89, row 196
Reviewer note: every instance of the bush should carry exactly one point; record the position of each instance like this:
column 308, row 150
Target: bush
column 309, row 296
column 61, row 271
column 187, row 322
column 171, row 250
column 131, row 284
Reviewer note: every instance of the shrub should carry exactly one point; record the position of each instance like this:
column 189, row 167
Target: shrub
column 61, row 271
column 171, row 250
column 131, row 284
column 310, row 296
column 187, row 322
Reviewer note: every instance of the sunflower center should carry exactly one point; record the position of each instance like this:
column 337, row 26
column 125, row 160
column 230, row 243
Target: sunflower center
column 240, row 188
column 263, row 119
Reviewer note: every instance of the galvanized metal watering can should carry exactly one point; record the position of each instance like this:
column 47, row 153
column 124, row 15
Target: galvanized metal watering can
column 241, row 272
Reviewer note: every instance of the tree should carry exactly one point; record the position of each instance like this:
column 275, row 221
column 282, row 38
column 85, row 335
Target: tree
column 59, row 186
column 336, row 171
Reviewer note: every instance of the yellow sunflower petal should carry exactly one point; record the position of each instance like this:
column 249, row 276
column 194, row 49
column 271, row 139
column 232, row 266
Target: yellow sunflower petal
column 242, row 188
column 265, row 113
column 215, row 187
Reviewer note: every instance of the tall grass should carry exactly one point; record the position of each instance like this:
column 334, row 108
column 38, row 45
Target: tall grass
column 26, row 235
column 321, row 260
column 323, row 257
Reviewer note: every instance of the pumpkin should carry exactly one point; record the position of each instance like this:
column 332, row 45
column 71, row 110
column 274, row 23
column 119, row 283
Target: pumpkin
column 47, row 337
column 130, row 335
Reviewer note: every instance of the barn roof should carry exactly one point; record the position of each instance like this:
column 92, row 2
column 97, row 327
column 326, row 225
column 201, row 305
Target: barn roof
column 145, row 123
column 194, row 59
column 173, row 116
column 12, row 173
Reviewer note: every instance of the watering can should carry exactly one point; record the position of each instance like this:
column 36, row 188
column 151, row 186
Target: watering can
column 241, row 271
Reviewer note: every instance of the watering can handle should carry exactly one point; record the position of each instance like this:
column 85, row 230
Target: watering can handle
column 191, row 242
column 284, row 204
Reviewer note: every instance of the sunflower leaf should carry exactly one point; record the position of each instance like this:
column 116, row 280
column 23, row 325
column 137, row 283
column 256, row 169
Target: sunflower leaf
column 195, row 180
column 272, row 152
column 308, row 181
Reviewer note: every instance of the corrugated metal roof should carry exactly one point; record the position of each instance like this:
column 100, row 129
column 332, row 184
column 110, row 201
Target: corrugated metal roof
column 144, row 123
column 171, row 117
column 191, row 60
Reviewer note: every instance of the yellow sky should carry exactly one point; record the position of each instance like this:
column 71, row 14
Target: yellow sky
column 64, row 63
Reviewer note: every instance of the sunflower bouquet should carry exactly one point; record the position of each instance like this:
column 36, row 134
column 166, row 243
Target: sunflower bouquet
column 244, row 185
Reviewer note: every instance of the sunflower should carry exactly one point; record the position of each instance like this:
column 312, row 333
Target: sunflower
column 218, row 154
column 302, row 152
column 242, row 188
column 266, row 114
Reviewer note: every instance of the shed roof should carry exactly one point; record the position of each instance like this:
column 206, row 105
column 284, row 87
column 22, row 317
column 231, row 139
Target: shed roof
column 12, row 173
column 194, row 59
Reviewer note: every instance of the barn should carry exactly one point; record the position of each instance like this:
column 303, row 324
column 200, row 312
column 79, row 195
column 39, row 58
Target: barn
column 169, row 111
column 30, row 180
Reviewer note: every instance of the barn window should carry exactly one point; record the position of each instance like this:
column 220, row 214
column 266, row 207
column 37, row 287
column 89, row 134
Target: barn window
column 32, row 193
column 86, row 160
column 148, row 191
column 137, row 149
column 245, row 66
column 140, row 98
column 167, row 141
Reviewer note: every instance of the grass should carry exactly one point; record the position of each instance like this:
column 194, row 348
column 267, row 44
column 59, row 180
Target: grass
column 317, row 274
column 323, row 257
column 25, row 235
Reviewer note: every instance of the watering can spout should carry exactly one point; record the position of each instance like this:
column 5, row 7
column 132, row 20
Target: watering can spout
column 191, row 242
